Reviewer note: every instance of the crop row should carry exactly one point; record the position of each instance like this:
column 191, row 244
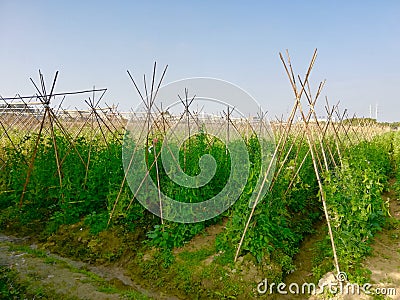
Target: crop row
column 89, row 180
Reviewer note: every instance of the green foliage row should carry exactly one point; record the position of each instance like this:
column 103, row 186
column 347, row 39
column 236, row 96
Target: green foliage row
column 281, row 221
column 353, row 195
column 396, row 159
column 171, row 234
column 91, row 175
column 282, row 218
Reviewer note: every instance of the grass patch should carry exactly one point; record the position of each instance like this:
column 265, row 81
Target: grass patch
column 10, row 288
column 197, row 256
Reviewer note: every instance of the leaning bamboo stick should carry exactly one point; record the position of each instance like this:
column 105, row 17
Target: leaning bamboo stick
column 158, row 181
column 322, row 193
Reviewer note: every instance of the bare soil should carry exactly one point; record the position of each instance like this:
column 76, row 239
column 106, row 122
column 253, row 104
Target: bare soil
column 57, row 277
column 68, row 279
column 385, row 260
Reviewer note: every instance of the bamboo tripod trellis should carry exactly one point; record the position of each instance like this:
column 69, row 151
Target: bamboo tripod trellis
column 154, row 121
column 45, row 120
column 326, row 140
column 324, row 155
column 311, row 140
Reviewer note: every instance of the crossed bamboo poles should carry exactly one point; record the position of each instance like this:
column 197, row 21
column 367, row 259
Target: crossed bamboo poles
column 326, row 140
column 46, row 116
column 308, row 134
column 323, row 153
column 152, row 123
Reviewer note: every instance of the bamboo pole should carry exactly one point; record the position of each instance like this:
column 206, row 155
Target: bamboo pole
column 158, row 181
column 311, row 147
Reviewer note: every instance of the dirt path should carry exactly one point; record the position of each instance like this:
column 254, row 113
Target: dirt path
column 303, row 262
column 385, row 260
column 56, row 277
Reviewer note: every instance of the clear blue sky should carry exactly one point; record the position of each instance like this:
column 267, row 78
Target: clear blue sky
column 95, row 42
